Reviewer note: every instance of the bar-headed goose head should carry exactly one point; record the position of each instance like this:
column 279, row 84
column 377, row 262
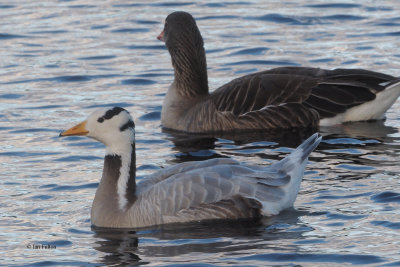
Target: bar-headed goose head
column 113, row 127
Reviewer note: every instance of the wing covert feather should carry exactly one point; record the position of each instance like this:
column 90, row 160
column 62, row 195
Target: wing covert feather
column 213, row 184
column 330, row 92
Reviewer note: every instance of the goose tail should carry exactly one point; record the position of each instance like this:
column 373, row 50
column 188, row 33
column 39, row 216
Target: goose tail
column 292, row 168
column 306, row 147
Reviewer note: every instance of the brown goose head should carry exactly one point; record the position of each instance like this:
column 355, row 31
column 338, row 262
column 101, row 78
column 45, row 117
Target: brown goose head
column 180, row 25
column 186, row 47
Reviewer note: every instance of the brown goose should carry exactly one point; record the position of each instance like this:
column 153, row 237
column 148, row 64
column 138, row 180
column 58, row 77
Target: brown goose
column 191, row 191
column 280, row 98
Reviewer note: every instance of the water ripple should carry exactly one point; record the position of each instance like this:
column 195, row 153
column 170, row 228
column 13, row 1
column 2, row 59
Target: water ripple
column 77, row 158
column 59, row 263
column 147, row 47
column 11, row 96
column 98, row 57
column 71, row 188
column 310, row 257
column 82, row 6
column 49, row 32
column 66, row 79
column 261, row 62
column 350, row 141
column 337, row 216
column 305, row 20
column 218, row 17
column 226, row 4
column 330, row 196
column 388, row 224
column 386, row 197
column 353, row 167
column 138, row 81
column 286, row 19
column 172, row 4
column 7, row 6
column 251, row 51
column 26, row 154
column 131, row 30
column 334, row 5
column 113, row 104
column 4, row 36
column 151, row 116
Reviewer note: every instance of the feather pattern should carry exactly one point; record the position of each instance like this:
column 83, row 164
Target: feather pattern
column 279, row 98
column 219, row 188
column 208, row 189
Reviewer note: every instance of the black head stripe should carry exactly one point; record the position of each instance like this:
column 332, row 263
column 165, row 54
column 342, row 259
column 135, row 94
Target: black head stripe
column 129, row 124
column 110, row 113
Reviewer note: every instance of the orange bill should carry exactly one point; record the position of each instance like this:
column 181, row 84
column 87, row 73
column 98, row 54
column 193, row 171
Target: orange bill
column 79, row 129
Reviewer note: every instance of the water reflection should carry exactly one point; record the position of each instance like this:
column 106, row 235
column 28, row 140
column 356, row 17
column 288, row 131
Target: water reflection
column 120, row 246
column 141, row 246
column 376, row 130
column 289, row 138
column 363, row 130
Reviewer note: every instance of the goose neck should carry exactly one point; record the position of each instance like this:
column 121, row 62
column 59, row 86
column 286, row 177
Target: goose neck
column 119, row 177
column 190, row 69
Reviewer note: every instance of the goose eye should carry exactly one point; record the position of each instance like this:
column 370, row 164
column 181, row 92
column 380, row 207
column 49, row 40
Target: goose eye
column 101, row 119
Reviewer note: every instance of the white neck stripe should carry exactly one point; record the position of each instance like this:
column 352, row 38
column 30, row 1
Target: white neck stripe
column 122, row 183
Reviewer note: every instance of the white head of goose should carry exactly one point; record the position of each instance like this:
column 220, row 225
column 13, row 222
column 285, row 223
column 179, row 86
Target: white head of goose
column 280, row 98
column 191, row 191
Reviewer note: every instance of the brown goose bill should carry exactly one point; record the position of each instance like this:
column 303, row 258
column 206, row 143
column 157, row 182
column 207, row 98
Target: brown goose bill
column 79, row 129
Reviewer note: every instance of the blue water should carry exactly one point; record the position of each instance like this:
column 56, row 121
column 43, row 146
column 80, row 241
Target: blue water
column 62, row 59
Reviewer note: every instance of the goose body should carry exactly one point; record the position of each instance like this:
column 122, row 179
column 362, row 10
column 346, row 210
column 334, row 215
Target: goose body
column 191, row 191
column 279, row 98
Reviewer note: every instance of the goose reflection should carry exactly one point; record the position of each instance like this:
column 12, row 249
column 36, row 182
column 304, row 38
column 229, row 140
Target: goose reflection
column 358, row 150
column 363, row 130
column 187, row 143
column 358, row 143
column 291, row 138
column 141, row 246
column 119, row 245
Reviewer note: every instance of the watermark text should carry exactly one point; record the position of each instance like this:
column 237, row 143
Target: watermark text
column 40, row 246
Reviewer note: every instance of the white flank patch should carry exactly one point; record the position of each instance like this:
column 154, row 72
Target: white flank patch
column 372, row 110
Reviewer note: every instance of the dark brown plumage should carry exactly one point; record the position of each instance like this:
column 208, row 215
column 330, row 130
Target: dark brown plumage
column 280, row 98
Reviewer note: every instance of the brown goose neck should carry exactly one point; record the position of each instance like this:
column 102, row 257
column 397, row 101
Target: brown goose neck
column 190, row 67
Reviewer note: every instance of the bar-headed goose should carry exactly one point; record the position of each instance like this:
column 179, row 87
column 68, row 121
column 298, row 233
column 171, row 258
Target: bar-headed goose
column 285, row 97
column 212, row 189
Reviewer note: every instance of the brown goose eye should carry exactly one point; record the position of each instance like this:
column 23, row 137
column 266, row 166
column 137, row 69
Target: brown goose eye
column 101, row 119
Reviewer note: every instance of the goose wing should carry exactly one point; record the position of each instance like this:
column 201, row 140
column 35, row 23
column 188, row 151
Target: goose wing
column 257, row 91
column 299, row 90
column 342, row 89
column 184, row 167
column 265, row 100
column 215, row 185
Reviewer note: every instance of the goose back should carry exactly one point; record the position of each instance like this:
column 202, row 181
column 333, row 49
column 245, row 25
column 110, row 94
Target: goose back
column 223, row 188
column 280, row 98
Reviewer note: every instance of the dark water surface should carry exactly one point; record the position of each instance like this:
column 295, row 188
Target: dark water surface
column 62, row 59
